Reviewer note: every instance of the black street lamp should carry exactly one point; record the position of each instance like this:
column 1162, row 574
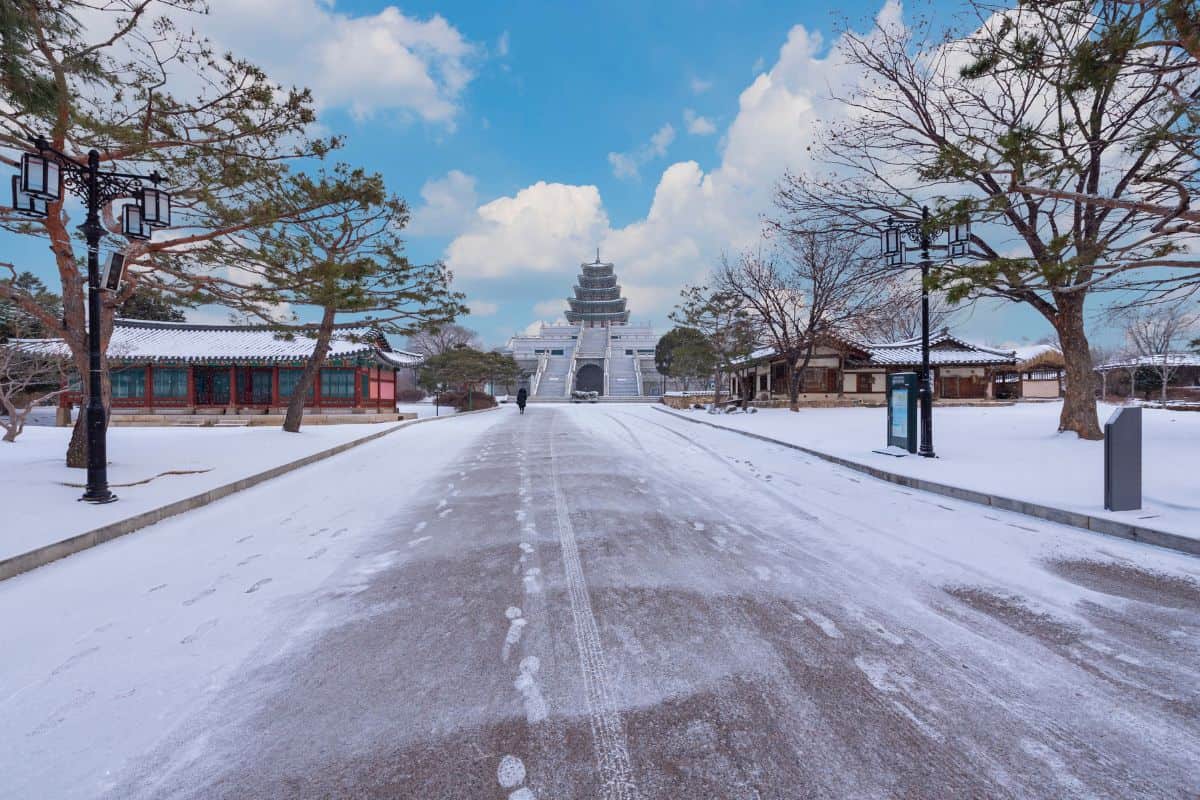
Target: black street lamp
column 43, row 175
column 958, row 237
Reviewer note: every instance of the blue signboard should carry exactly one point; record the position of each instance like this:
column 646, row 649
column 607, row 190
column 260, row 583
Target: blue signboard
column 902, row 411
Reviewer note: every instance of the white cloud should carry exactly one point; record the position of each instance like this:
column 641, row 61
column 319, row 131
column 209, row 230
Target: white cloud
column 482, row 308
column 700, row 86
column 502, row 45
column 548, row 308
column 759, row 65
column 625, row 165
column 450, row 204
column 695, row 215
column 370, row 63
column 696, row 124
column 540, row 229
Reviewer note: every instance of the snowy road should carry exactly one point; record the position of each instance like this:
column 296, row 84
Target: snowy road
column 600, row 602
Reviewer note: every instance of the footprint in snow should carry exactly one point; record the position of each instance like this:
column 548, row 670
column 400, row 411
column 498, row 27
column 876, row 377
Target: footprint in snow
column 247, row 560
column 156, row 588
column 445, row 512
column 73, row 660
column 258, row 585
column 245, row 538
column 317, row 553
column 201, row 629
column 193, row 600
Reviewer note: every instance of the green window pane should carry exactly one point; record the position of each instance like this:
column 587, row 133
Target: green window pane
column 129, row 383
column 337, row 384
column 288, row 378
column 170, row 384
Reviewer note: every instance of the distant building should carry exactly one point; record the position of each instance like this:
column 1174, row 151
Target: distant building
column 167, row 368
column 596, row 351
column 843, row 370
column 1123, row 377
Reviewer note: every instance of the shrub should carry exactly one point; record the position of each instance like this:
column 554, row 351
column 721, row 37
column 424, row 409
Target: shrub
column 410, row 395
column 476, row 400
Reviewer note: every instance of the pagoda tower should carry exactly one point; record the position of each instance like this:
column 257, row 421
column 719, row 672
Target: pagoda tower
column 597, row 302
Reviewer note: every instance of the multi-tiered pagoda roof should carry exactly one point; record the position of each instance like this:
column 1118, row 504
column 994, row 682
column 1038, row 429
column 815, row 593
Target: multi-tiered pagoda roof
column 597, row 300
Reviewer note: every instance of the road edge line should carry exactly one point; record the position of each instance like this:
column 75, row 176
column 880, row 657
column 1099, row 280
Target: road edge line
column 1074, row 519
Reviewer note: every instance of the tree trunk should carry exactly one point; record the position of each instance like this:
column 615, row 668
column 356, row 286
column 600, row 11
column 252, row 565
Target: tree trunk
column 717, row 390
column 295, row 409
column 1079, row 401
column 1166, row 376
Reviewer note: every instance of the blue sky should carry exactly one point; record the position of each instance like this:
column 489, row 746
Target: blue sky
column 525, row 135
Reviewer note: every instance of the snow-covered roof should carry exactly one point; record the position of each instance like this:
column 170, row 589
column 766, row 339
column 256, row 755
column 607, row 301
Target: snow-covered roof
column 139, row 340
column 1171, row 360
column 1029, row 352
column 945, row 349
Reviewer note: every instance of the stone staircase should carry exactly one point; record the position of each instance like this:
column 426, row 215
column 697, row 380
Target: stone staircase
column 622, row 377
column 554, row 378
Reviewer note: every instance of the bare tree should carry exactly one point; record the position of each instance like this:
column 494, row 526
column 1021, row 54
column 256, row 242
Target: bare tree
column 965, row 125
column 816, row 287
column 435, row 341
column 29, row 377
column 900, row 320
column 1154, row 334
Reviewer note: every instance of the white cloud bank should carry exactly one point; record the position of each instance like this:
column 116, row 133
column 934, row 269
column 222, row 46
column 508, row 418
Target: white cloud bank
column 695, row 215
column 449, row 206
column 386, row 61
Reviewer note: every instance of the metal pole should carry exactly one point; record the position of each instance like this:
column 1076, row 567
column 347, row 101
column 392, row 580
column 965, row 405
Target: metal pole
column 925, row 390
column 97, row 459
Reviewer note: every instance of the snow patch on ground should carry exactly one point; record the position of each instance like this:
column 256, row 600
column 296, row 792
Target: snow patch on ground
column 1013, row 451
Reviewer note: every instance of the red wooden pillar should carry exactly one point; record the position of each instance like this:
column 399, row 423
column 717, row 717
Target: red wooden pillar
column 275, row 399
column 149, row 390
column 232, row 389
column 357, row 386
column 317, row 390
column 378, row 389
column 191, row 390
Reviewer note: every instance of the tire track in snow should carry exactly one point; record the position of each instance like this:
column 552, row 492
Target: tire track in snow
column 608, row 731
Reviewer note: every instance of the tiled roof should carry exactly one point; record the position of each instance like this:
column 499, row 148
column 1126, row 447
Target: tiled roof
column 1170, row 360
column 137, row 340
column 945, row 350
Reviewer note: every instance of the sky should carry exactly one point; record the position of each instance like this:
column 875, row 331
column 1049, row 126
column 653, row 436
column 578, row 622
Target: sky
column 526, row 135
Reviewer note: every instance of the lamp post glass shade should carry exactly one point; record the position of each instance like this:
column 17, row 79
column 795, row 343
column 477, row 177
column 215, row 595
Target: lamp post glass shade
column 131, row 222
column 958, row 238
column 25, row 203
column 893, row 248
column 40, row 177
column 155, row 207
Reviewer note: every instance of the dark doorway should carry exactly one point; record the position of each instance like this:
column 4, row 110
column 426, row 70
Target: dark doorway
column 212, row 386
column 254, row 386
column 589, row 378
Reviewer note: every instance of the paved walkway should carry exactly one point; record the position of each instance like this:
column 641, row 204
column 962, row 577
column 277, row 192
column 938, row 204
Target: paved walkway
column 603, row 602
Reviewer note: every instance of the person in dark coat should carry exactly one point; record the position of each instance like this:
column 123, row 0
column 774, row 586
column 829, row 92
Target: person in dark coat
column 522, row 398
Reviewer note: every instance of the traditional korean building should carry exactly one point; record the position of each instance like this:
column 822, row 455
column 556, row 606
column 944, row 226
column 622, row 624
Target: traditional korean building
column 187, row 368
column 844, row 370
column 1039, row 374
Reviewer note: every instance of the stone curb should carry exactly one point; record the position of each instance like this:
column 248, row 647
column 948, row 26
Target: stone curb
column 1109, row 527
column 15, row 565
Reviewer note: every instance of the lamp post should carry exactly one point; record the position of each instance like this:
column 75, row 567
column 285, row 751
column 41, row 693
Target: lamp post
column 958, row 236
column 41, row 182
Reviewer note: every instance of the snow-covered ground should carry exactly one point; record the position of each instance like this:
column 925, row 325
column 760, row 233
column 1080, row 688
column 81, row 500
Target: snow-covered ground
column 424, row 409
column 1012, row 451
column 588, row 597
column 39, row 495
